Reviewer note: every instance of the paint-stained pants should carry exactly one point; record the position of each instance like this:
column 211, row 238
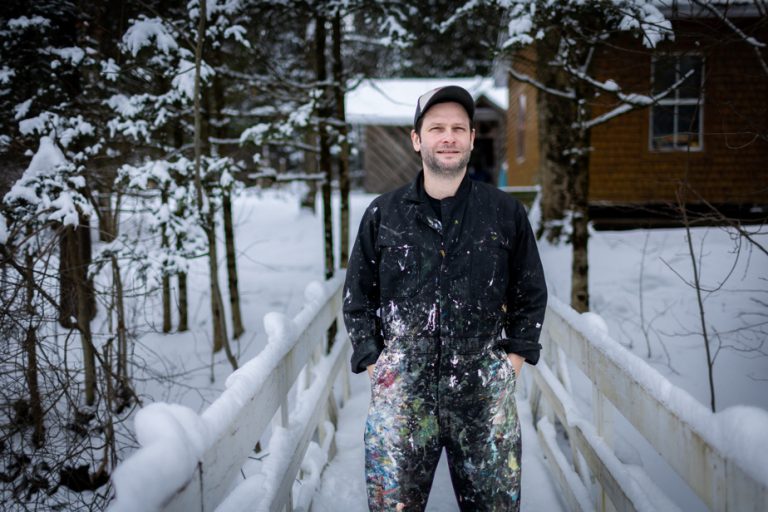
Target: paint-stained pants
column 456, row 394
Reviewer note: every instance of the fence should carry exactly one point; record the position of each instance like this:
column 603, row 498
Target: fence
column 193, row 462
column 685, row 433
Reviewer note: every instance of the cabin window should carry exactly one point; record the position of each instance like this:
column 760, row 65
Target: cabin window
column 520, row 128
column 676, row 120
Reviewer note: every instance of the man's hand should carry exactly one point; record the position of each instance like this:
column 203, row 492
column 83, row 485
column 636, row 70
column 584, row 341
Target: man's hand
column 516, row 360
column 370, row 371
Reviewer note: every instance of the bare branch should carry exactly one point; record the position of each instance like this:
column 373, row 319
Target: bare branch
column 522, row 77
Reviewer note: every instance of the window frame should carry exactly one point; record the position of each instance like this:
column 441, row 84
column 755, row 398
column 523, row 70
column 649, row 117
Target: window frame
column 675, row 101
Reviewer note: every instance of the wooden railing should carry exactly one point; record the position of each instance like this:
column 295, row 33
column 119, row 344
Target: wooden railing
column 682, row 430
column 296, row 363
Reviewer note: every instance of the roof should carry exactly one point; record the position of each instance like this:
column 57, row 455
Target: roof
column 690, row 9
column 392, row 101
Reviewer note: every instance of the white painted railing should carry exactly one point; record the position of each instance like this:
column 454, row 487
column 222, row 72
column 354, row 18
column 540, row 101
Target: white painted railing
column 191, row 462
column 694, row 441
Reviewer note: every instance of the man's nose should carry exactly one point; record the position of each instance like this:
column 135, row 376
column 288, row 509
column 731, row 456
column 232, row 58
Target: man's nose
column 449, row 136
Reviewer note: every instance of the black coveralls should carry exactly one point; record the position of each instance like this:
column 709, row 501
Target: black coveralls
column 426, row 300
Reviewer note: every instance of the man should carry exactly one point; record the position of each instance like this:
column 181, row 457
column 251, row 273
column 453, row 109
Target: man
column 439, row 268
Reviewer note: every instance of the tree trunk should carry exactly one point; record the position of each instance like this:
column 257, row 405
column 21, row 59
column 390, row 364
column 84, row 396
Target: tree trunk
column 121, row 330
column 556, row 116
column 229, row 232
column 339, row 89
column 229, row 241
column 325, row 151
column 580, row 236
column 206, row 211
column 74, row 259
column 178, row 141
column 166, row 279
column 311, row 167
column 183, row 303
column 106, row 216
column 30, row 347
column 83, row 295
column 579, row 151
column 217, row 311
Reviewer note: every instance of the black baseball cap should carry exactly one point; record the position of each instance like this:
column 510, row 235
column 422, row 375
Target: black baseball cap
column 442, row 95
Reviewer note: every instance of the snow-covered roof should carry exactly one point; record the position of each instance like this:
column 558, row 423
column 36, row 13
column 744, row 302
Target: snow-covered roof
column 690, row 9
column 392, row 101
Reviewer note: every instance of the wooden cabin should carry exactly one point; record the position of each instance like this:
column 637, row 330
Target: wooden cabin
column 712, row 133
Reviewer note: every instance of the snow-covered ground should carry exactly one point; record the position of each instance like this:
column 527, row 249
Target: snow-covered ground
column 280, row 251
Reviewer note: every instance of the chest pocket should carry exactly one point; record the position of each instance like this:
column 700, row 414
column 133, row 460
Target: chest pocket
column 399, row 272
column 490, row 270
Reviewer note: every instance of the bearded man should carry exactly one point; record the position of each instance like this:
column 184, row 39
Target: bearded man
column 444, row 301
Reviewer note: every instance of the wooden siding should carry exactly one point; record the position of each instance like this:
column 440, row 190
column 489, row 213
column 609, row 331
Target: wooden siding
column 522, row 171
column 388, row 158
column 732, row 167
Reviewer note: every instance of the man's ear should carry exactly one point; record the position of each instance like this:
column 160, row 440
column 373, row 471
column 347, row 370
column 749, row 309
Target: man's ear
column 415, row 141
column 472, row 140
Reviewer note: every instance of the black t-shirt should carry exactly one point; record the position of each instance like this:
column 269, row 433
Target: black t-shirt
column 435, row 205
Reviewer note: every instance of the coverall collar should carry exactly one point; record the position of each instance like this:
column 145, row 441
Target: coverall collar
column 417, row 194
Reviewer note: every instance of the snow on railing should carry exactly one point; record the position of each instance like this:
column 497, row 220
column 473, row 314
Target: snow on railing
column 721, row 456
column 193, row 462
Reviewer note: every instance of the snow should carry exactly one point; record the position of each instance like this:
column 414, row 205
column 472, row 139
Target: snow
column 47, row 158
column 144, row 31
column 184, row 78
column 194, row 434
column 21, row 110
column 393, row 101
column 124, row 105
column 23, row 22
column 649, row 19
column 281, row 251
column 173, row 436
column 639, row 286
column 71, row 55
column 6, row 74
column 109, row 69
column 748, row 424
column 35, row 124
column 261, row 487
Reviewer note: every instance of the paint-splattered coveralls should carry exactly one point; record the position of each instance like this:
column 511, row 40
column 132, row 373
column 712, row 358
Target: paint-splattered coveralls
column 426, row 301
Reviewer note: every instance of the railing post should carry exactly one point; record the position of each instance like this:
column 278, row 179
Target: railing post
column 345, row 389
column 564, row 375
column 602, row 412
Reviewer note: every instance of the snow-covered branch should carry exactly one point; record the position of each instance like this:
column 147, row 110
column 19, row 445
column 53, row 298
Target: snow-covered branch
column 630, row 101
column 754, row 43
column 522, row 77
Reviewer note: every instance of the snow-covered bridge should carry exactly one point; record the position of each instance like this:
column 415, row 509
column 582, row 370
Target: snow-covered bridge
column 297, row 393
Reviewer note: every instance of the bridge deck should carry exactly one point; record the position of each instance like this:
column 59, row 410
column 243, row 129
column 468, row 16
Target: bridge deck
column 343, row 485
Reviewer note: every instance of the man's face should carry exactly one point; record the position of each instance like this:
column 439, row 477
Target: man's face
column 446, row 139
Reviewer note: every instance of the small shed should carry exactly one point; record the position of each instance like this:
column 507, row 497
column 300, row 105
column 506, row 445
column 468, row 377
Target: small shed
column 381, row 113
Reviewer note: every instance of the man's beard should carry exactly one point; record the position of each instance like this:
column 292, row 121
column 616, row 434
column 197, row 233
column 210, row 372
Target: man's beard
column 445, row 170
